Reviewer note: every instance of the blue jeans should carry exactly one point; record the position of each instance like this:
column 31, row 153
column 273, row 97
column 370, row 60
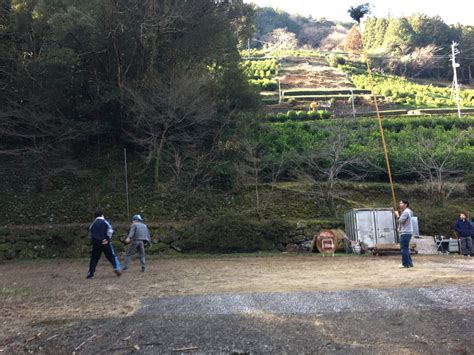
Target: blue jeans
column 405, row 248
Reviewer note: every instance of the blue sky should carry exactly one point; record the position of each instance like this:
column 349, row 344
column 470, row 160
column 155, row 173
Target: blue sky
column 452, row 11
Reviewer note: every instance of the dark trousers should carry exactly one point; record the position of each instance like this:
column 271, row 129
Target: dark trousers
column 108, row 250
column 405, row 248
column 466, row 246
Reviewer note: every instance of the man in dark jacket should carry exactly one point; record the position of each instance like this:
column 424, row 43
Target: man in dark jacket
column 100, row 233
column 139, row 235
column 464, row 229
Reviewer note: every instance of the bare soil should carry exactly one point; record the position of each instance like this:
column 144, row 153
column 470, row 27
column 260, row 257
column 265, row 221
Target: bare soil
column 47, row 292
column 303, row 72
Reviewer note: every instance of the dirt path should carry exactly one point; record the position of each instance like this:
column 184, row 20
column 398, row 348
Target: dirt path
column 42, row 291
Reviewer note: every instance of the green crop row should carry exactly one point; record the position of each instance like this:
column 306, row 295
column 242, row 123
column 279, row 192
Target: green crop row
column 331, row 97
column 399, row 123
column 265, row 84
column 401, row 91
column 315, row 91
column 259, row 69
column 256, row 53
column 298, row 116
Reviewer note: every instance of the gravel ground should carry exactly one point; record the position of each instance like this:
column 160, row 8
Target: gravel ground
column 312, row 302
column 394, row 321
column 245, row 304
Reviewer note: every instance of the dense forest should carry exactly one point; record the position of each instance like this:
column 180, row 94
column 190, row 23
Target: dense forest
column 79, row 78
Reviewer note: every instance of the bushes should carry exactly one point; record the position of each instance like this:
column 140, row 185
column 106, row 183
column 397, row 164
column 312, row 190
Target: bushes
column 298, row 116
column 260, row 72
column 302, row 115
column 315, row 92
column 402, row 136
column 233, row 234
column 405, row 92
column 265, row 84
column 255, row 53
column 292, row 115
column 335, row 61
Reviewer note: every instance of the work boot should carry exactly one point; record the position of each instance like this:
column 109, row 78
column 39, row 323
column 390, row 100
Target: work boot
column 118, row 272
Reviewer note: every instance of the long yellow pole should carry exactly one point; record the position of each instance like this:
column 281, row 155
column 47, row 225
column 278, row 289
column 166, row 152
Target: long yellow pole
column 379, row 119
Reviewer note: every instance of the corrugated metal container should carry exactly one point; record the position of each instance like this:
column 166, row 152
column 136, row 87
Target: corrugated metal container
column 371, row 226
column 453, row 246
column 414, row 224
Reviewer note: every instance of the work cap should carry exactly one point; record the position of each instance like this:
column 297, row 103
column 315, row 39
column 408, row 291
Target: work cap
column 137, row 217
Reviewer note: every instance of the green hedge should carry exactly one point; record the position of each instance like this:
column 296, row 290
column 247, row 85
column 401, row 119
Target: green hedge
column 317, row 91
column 298, row 116
column 404, row 92
column 265, row 84
column 329, row 97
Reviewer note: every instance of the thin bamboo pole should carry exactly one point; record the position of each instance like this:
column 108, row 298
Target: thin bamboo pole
column 379, row 119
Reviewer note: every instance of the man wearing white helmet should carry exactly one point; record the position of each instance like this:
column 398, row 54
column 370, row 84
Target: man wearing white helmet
column 138, row 236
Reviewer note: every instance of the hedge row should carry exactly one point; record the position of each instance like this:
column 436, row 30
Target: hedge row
column 265, row 84
column 398, row 123
column 298, row 116
column 404, row 92
column 310, row 91
column 331, row 97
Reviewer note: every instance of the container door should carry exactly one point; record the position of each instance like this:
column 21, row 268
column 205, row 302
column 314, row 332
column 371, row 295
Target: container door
column 365, row 228
column 414, row 224
column 385, row 227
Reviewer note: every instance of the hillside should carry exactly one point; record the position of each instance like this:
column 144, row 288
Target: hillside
column 206, row 154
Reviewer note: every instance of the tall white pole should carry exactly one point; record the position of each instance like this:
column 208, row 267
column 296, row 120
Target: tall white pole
column 126, row 181
column 279, row 92
column 353, row 105
column 454, row 51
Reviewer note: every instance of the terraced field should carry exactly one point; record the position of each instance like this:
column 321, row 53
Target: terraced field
column 313, row 72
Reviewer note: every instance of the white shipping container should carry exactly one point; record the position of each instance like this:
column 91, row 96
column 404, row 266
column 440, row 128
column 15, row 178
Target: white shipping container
column 371, row 226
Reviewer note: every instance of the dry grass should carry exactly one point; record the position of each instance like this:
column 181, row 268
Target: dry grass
column 54, row 290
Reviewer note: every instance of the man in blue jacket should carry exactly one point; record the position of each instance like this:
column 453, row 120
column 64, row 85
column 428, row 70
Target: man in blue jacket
column 100, row 233
column 464, row 229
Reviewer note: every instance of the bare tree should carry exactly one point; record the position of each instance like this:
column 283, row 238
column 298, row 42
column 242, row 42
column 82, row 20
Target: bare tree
column 162, row 18
column 280, row 39
column 434, row 163
column 30, row 131
column 256, row 169
column 171, row 113
column 332, row 161
column 415, row 63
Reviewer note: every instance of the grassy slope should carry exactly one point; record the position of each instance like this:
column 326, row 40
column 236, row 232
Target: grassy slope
column 291, row 201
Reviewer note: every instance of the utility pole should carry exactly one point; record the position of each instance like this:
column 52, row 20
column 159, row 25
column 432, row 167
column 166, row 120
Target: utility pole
column 279, row 91
column 353, row 105
column 126, row 181
column 455, row 51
